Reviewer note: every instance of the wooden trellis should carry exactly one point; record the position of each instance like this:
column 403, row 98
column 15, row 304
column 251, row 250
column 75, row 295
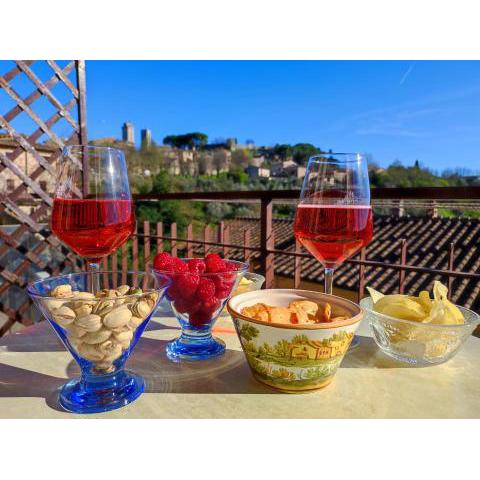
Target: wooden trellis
column 28, row 203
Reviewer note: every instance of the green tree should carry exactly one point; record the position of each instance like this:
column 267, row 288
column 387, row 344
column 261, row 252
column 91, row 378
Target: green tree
column 303, row 151
column 248, row 332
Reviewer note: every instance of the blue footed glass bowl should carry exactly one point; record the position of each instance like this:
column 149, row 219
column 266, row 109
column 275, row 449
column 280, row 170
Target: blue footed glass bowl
column 197, row 316
column 99, row 317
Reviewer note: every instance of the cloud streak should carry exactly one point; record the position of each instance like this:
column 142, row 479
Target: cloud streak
column 407, row 73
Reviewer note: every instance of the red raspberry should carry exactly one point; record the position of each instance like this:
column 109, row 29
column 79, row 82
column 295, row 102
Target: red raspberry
column 214, row 263
column 211, row 305
column 223, row 292
column 174, row 293
column 199, row 318
column 186, row 284
column 196, row 265
column 163, row 261
column 206, row 289
column 179, row 266
column 181, row 305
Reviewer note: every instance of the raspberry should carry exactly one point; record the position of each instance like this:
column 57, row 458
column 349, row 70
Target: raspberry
column 206, row 289
column 163, row 261
column 199, row 318
column 181, row 305
column 179, row 266
column 187, row 284
column 211, row 305
column 174, row 293
column 223, row 292
column 196, row 265
column 214, row 263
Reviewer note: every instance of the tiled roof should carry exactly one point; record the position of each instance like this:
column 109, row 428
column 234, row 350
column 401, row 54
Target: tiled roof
column 428, row 240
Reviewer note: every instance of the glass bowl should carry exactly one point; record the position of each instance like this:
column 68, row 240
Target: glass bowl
column 196, row 315
column 418, row 343
column 100, row 330
column 255, row 283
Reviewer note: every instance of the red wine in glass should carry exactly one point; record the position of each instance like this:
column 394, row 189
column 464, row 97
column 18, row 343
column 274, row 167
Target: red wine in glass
column 93, row 211
column 93, row 228
column 333, row 233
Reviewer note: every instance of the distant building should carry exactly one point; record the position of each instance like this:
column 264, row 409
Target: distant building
column 128, row 134
column 146, row 136
column 257, row 172
column 288, row 168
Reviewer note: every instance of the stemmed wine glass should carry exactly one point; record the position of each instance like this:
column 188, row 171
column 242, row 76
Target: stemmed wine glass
column 333, row 220
column 103, row 218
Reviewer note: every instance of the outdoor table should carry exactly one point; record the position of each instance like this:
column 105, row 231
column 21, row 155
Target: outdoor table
column 33, row 364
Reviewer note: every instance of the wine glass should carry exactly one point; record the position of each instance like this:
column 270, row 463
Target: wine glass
column 93, row 213
column 333, row 220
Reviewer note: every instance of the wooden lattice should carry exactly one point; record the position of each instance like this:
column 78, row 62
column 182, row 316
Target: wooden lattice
column 27, row 246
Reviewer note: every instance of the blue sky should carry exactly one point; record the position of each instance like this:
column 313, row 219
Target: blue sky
column 405, row 110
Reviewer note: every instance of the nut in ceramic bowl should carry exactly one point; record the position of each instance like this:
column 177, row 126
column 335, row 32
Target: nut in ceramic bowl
column 294, row 357
column 415, row 342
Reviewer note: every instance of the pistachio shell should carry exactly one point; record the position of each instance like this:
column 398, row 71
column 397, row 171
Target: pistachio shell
column 103, row 307
column 84, row 309
column 123, row 289
column 110, row 350
column 76, row 331
column 118, row 317
column 91, row 323
column 134, row 322
column 104, row 367
column 125, row 336
column 96, row 337
column 51, row 304
column 140, row 309
column 63, row 316
column 62, row 291
column 90, row 352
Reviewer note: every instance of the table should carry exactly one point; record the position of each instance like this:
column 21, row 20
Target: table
column 33, row 364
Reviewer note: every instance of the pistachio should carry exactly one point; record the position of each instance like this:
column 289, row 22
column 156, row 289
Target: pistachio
column 123, row 289
column 118, row 317
column 76, row 331
column 75, row 342
column 125, row 336
column 135, row 291
column 134, row 322
column 84, row 309
column 110, row 350
column 93, row 338
column 103, row 307
column 52, row 304
column 90, row 352
column 104, row 367
column 91, row 323
column 63, row 316
column 140, row 309
column 62, row 291
column 80, row 299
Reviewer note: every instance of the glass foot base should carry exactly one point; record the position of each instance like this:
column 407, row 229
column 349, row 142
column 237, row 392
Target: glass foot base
column 102, row 393
column 181, row 349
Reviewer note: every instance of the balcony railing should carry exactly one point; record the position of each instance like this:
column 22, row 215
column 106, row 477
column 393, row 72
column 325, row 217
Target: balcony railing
column 452, row 197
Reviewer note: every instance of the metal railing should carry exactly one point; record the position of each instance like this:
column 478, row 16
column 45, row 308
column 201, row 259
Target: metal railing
column 432, row 196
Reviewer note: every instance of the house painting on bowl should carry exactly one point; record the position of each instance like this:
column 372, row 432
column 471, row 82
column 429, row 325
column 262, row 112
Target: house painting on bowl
column 320, row 350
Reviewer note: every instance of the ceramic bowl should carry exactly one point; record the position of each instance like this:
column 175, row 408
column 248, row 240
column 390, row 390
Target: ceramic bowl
column 294, row 357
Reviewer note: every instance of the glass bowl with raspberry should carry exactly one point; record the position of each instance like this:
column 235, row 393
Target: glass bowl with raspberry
column 200, row 288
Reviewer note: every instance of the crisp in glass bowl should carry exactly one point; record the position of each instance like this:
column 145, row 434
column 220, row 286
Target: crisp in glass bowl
column 415, row 342
column 255, row 282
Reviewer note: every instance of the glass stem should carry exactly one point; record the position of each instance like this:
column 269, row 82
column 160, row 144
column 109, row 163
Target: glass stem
column 328, row 280
column 93, row 265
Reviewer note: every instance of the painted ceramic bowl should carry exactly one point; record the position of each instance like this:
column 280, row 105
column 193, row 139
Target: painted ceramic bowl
column 294, row 357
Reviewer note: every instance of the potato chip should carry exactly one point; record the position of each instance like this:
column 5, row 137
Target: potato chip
column 374, row 294
column 400, row 307
column 439, row 311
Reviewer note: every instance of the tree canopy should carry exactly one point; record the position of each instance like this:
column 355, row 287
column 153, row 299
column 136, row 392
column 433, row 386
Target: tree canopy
column 186, row 140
